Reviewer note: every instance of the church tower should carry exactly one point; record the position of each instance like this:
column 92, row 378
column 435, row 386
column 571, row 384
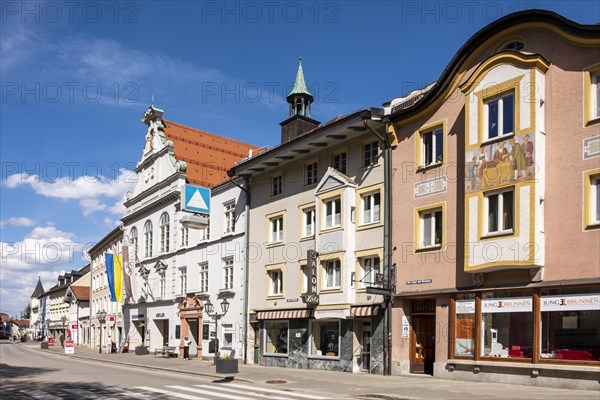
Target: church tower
column 300, row 100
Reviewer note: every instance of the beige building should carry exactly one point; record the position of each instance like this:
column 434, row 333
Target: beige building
column 498, row 175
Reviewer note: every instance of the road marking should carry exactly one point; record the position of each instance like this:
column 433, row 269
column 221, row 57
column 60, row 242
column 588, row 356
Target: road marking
column 38, row 394
column 122, row 392
column 261, row 395
column 86, row 394
column 262, row 389
column 173, row 394
column 211, row 393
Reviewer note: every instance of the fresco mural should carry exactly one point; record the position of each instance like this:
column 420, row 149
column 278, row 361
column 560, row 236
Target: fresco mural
column 500, row 163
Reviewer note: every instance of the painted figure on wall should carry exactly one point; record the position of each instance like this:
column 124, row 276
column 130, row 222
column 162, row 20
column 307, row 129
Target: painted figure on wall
column 501, row 154
column 528, row 149
column 518, row 162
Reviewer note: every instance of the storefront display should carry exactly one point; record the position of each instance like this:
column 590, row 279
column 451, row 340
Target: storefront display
column 325, row 338
column 465, row 328
column 276, row 337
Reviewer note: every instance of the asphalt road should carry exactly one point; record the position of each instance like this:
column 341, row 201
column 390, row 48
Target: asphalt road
column 28, row 374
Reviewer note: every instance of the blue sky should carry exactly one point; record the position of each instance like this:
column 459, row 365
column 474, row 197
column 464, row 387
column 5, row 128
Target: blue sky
column 77, row 76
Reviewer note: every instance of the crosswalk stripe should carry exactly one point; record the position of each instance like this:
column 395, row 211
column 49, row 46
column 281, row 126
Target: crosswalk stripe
column 86, row 394
column 38, row 394
column 122, row 392
column 170, row 393
column 262, row 389
column 224, row 389
column 211, row 393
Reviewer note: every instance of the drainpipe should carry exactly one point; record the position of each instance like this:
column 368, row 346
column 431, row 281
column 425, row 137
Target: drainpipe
column 387, row 244
column 247, row 261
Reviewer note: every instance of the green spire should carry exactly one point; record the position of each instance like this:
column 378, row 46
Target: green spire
column 300, row 85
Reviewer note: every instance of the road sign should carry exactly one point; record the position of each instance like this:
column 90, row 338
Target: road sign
column 196, row 199
column 69, row 347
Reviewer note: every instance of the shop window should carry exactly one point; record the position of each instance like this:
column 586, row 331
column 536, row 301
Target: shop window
column 570, row 325
column 500, row 116
column 464, row 344
column 276, row 337
column 506, row 325
column 325, row 338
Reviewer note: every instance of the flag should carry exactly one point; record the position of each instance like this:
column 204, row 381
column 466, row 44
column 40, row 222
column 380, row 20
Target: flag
column 127, row 272
column 114, row 273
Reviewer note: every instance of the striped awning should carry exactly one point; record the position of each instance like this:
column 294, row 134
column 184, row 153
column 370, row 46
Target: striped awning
column 363, row 311
column 284, row 314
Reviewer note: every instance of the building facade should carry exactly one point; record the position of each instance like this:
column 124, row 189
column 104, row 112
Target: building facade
column 499, row 161
column 36, row 317
column 78, row 297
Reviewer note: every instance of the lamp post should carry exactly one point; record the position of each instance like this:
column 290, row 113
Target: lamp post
column 209, row 308
column 101, row 315
column 63, row 320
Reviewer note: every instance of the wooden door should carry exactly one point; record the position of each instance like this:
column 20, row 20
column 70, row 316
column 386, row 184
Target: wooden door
column 422, row 344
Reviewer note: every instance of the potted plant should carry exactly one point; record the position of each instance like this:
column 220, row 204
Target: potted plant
column 141, row 350
column 226, row 365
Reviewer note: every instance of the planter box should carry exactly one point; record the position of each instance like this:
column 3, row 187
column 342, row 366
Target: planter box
column 44, row 345
column 141, row 351
column 226, row 366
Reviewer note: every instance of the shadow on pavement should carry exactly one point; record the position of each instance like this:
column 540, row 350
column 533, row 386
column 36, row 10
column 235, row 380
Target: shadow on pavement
column 9, row 371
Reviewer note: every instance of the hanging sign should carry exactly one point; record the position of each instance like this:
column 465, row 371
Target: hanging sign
column 311, row 297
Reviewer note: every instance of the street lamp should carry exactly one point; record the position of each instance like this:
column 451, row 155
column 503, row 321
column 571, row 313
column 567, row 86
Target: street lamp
column 63, row 319
column 209, row 308
column 101, row 315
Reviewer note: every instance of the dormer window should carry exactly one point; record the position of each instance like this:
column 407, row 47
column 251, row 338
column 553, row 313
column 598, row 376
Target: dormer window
column 515, row 45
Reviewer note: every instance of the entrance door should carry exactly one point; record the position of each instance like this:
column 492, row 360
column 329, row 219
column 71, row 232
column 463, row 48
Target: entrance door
column 422, row 344
column 365, row 343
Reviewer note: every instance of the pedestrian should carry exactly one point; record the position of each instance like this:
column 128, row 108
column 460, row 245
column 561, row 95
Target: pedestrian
column 62, row 340
column 186, row 348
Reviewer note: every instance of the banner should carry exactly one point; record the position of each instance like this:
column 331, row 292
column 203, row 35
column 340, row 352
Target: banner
column 127, row 272
column 114, row 274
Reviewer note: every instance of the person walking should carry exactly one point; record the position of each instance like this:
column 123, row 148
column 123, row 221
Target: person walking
column 186, row 348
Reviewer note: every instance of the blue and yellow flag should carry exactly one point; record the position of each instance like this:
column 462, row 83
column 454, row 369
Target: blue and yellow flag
column 114, row 273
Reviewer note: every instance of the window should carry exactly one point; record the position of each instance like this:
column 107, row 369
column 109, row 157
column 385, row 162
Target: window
column 276, row 229
column 311, row 173
column 595, row 93
column 183, row 280
column 164, row 233
column 371, row 208
column 227, row 339
column 370, row 153
column 499, row 208
column 276, row 337
column 276, row 282
column 133, row 239
column 308, row 222
column 332, row 274
column 339, row 162
column 333, row 213
column 276, row 185
column 230, row 217
column 184, row 237
column 432, row 147
column 431, row 228
column 162, row 290
column 370, row 269
column 228, row 273
column 464, row 343
column 148, row 239
column 325, row 338
column 592, row 200
column 204, row 233
column 515, row 45
column 204, row 277
column 500, row 115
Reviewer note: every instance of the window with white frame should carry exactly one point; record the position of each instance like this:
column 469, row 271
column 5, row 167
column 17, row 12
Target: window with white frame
column 432, row 147
column 164, row 233
column 371, row 204
column 183, row 280
column 499, row 209
column 148, row 239
column 595, row 94
column 333, row 213
column 203, row 277
column 339, row 161
column 276, row 185
column 133, row 239
column 230, row 217
column 275, row 282
column 311, row 173
column 184, row 236
column 595, row 200
column 276, row 229
column 370, row 267
column 370, row 153
column 228, row 273
column 431, row 228
column 308, row 222
column 205, row 233
column 162, row 285
column 332, row 273
column 500, row 116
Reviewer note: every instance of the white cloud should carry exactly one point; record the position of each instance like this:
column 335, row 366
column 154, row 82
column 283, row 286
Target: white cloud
column 17, row 221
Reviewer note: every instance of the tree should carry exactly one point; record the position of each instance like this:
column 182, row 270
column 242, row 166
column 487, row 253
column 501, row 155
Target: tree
column 26, row 313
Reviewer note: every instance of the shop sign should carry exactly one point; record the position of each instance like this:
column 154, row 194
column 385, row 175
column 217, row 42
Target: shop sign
column 465, row 306
column 405, row 327
column 311, row 297
column 573, row 302
column 69, row 347
column 51, row 341
column 137, row 317
column 110, row 320
column 160, row 315
column 511, row 304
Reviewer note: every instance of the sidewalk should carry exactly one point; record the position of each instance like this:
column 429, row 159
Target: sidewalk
column 362, row 386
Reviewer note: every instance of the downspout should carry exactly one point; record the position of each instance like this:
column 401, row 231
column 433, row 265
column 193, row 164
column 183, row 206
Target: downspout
column 387, row 244
column 247, row 262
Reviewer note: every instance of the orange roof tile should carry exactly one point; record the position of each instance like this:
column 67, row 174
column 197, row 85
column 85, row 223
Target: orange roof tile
column 81, row 292
column 208, row 156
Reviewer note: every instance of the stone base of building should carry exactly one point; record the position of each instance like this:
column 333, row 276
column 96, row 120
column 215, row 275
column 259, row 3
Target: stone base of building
column 555, row 376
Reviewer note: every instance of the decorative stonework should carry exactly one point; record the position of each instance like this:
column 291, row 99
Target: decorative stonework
column 431, row 187
column 591, row 147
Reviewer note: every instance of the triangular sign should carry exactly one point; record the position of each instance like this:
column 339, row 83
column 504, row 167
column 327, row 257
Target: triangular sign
column 196, row 201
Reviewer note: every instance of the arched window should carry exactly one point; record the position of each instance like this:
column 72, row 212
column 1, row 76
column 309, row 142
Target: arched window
column 164, row 233
column 133, row 239
column 148, row 239
column 515, row 45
